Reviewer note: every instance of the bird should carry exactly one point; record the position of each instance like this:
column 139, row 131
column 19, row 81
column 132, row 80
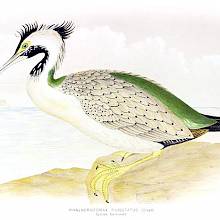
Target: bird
column 121, row 109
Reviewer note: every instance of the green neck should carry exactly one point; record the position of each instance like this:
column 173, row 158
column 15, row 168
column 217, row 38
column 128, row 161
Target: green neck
column 52, row 81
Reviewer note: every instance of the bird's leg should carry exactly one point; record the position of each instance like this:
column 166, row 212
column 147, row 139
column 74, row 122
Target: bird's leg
column 123, row 154
column 105, row 169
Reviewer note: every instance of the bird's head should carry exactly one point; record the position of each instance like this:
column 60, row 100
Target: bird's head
column 41, row 39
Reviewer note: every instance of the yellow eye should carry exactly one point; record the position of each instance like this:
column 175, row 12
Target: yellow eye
column 24, row 45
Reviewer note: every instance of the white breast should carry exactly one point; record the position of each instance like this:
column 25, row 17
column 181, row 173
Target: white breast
column 68, row 108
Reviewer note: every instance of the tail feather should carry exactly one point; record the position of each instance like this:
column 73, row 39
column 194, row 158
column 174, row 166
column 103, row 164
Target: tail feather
column 215, row 127
column 213, row 117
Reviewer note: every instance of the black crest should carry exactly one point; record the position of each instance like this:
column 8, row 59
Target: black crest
column 64, row 30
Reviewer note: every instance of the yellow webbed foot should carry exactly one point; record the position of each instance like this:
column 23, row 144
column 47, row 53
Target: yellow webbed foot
column 106, row 169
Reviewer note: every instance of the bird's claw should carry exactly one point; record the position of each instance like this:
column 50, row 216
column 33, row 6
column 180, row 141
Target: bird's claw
column 101, row 176
column 102, row 173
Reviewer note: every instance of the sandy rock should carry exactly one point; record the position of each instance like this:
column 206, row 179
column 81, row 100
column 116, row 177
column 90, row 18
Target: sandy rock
column 180, row 170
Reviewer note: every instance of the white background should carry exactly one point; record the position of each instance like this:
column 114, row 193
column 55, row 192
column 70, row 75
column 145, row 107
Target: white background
column 173, row 42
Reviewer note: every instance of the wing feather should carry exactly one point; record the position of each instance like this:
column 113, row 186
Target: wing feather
column 120, row 105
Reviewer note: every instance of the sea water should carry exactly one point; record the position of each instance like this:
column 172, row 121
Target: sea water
column 32, row 142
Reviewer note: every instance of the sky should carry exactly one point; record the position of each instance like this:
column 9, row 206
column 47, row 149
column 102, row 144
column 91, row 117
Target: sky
column 173, row 43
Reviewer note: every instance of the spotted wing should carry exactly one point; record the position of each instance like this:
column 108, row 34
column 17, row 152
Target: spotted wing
column 120, row 105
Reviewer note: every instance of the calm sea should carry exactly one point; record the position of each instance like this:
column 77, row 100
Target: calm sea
column 32, row 142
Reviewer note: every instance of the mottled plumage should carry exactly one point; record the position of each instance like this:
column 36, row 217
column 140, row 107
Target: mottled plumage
column 120, row 105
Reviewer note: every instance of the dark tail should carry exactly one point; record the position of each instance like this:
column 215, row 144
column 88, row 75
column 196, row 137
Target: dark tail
column 215, row 127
